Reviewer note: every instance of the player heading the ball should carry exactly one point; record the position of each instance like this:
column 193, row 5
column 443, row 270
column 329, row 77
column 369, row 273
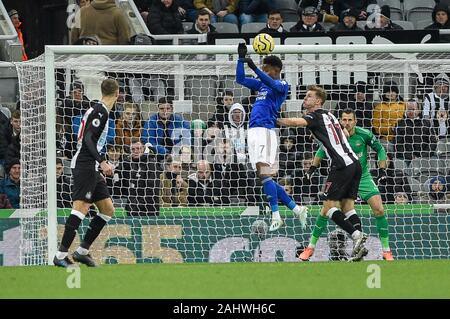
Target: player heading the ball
column 262, row 139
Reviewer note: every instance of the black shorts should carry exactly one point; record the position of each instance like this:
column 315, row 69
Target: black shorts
column 343, row 183
column 88, row 185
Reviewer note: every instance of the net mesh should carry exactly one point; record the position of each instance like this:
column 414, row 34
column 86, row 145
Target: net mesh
column 164, row 210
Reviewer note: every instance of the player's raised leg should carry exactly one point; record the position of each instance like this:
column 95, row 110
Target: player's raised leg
column 106, row 209
column 376, row 205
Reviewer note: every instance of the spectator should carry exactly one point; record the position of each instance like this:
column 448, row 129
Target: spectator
column 274, row 23
column 358, row 102
column 143, row 7
column 235, row 132
column 288, row 9
column 15, row 19
column 65, row 145
column 104, row 20
column 220, row 11
column 174, row 188
column 348, row 21
column 288, row 156
column 114, row 156
column 287, row 184
column 187, row 10
column 308, row 188
column 73, row 105
column 382, row 21
column 63, row 193
column 359, row 5
column 437, row 190
column 203, row 189
column 396, row 181
column 329, row 10
column 308, row 21
column 253, row 10
column 88, row 40
column 10, row 185
column 414, row 137
column 75, row 31
column 139, row 180
column 389, row 112
column 224, row 101
column 442, row 124
column 438, row 99
column 129, row 126
column 401, row 198
column 5, row 115
column 4, row 201
column 202, row 25
column 440, row 18
column 164, row 18
column 165, row 129
column 8, row 134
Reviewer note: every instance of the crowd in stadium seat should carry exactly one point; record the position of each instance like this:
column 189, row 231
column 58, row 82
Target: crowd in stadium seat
column 156, row 157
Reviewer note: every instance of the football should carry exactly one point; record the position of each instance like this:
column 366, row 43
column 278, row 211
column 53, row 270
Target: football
column 263, row 43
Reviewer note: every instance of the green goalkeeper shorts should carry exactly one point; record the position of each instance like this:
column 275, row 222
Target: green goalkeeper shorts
column 367, row 188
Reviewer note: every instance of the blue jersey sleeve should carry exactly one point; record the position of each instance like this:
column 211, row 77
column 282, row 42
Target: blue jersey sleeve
column 279, row 86
column 250, row 83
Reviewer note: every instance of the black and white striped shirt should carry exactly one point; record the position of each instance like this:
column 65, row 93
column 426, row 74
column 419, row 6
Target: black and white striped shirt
column 433, row 103
column 328, row 132
column 91, row 137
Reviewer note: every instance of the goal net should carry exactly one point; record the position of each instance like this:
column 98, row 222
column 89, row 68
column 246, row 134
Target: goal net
column 183, row 187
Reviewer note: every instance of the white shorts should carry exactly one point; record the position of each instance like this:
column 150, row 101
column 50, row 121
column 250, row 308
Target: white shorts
column 262, row 146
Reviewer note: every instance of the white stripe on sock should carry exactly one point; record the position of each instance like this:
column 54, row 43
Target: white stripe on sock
column 77, row 213
column 106, row 218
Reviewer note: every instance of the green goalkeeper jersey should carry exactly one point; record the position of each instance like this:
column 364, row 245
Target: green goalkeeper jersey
column 359, row 142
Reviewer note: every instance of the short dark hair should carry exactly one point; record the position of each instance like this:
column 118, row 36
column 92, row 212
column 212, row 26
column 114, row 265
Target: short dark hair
column 349, row 111
column 165, row 100
column 274, row 61
column 275, row 11
column 59, row 161
column 109, row 87
column 15, row 114
column 202, row 12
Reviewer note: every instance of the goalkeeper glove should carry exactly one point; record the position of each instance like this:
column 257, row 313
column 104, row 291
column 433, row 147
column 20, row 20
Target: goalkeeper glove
column 309, row 173
column 382, row 175
column 242, row 50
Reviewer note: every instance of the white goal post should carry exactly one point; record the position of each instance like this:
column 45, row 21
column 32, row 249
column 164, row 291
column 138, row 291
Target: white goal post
column 296, row 59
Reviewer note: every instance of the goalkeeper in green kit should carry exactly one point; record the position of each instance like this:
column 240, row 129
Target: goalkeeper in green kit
column 359, row 139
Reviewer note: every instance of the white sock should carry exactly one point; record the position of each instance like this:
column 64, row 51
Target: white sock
column 82, row 251
column 106, row 218
column 61, row 255
column 356, row 234
column 276, row 215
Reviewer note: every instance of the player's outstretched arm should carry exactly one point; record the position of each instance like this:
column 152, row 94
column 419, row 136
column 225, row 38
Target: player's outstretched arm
column 294, row 121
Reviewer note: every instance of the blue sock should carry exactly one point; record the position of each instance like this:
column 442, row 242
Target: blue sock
column 270, row 189
column 284, row 197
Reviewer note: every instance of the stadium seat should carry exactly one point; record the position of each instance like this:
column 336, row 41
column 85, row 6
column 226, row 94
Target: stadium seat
column 288, row 25
column 422, row 24
column 361, row 24
column 406, row 25
column 416, row 185
column 225, row 27
column 252, row 27
column 187, row 26
column 443, row 148
column 427, row 167
column 417, row 10
column 397, row 13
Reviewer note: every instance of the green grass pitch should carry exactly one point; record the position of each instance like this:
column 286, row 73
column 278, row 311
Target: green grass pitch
column 399, row 279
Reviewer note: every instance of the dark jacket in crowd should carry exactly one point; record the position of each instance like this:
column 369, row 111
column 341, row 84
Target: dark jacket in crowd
column 415, row 138
column 13, row 150
column 357, row 4
column 11, row 190
column 63, row 192
column 323, row 7
column 162, row 20
column 342, row 27
column 445, row 38
column 255, row 6
column 396, row 181
column 6, row 135
column 268, row 30
column 194, row 30
column 140, row 184
column 210, row 192
column 300, row 27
